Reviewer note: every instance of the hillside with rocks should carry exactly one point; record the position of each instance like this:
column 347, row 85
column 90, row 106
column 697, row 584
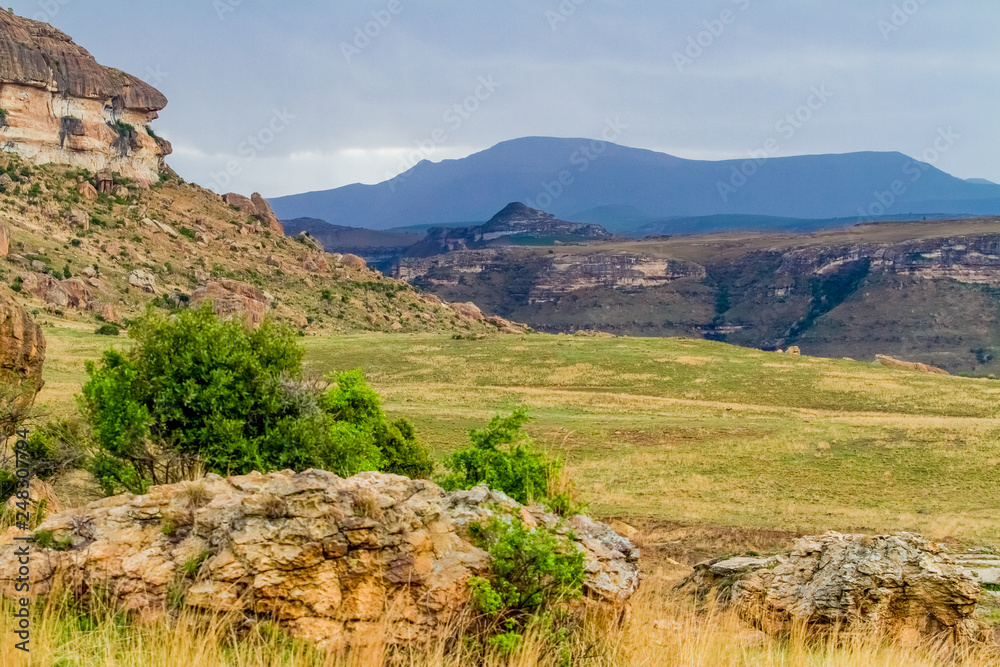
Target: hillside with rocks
column 95, row 226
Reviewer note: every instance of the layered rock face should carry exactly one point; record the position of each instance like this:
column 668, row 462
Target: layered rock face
column 61, row 106
column 900, row 584
column 22, row 355
column 333, row 560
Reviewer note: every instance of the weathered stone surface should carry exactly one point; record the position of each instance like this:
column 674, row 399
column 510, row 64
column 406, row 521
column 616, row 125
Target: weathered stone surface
column 984, row 567
column 794, row 350
column 4, row 241
column 22, row 354
column 55, row 95
column 327, row 558
column 900, row 584
column 232, row 298
column 266, row 215
column 468, row 312
column 87, row 191
column 142, row 279
column 353, row 262
column 889, row 362
column 244, row 204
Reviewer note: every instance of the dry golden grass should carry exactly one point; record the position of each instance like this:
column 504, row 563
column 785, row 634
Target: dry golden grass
column 659, row 629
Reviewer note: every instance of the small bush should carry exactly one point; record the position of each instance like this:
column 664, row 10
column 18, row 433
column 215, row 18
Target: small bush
column 108, row 329
column 46, row 539
column 503, row 457
column 532, row 574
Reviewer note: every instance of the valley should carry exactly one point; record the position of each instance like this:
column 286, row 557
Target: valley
column 926, row 291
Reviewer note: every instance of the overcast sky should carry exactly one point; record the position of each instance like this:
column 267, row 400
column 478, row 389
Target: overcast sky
column 287, row 96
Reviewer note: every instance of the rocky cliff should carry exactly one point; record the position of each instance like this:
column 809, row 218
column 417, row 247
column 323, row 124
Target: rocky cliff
column 58, row 105
column 920, row 292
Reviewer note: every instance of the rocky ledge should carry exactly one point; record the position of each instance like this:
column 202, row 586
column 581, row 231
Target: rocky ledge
column 60, row 105
column 331, row 559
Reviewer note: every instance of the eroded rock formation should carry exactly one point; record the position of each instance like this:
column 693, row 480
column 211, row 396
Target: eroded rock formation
column 61, row 106
column 331, row 559
column 22, row 354
column 900, row 584
column 231, row 298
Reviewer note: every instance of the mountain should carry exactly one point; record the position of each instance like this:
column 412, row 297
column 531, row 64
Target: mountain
column 516, row 224
column 623, row 188
column 378, row 248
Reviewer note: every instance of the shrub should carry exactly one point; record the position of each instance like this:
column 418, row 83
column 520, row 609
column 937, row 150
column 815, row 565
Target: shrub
column 503, row 457
column 532, row 573
column 55, row 447
column 108, row 329
column 198, row 392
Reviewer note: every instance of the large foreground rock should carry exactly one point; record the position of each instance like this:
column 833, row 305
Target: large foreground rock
column 900, row 584
column 22, row 354
column 331, row 559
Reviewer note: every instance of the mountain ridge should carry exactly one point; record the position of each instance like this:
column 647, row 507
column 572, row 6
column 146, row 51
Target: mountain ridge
column 567, row 177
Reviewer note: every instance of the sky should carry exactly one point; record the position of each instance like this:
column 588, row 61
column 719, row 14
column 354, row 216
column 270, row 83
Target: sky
column 289, row 96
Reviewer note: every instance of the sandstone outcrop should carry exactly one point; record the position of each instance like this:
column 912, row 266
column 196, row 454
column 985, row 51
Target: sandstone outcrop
column 65, row 108
column 22, row 354
column 332, row 560
column 232, row 298
column 890, row 362
column 256, row 206
column 900, row 584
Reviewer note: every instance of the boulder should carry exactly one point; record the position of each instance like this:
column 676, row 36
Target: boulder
column 331, row 560
column 78, row 218
column 889, row 362
column 105, row 181
column 22, row 354
column 77, row 292
column 143, row 280
column 468, row 312
column 266, row 215
column 901, row 585
column 794, row 351
column 243, row 204
column 232, row 298
column 45, row 287
column 353, row 262
column 87, row 191
column 4, row 241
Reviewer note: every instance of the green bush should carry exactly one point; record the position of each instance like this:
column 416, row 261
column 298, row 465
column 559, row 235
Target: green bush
column 56, row 446
column 198, row 391
column 532, row 573
column 108, row 329
column 503, row 457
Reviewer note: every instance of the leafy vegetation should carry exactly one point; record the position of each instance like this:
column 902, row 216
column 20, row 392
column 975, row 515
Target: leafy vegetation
column 532, row 573
column 503, row 457
column 196, row 391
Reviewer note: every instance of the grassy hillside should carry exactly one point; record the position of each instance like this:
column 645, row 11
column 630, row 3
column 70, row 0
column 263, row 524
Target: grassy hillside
column 689, row 431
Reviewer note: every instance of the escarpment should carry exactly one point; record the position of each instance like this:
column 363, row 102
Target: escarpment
column 59, row 105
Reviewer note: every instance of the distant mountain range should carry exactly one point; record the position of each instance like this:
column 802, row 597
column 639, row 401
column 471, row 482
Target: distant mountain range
column 627, row 189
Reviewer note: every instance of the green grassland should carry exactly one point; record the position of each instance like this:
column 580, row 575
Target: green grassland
column 687, row 430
